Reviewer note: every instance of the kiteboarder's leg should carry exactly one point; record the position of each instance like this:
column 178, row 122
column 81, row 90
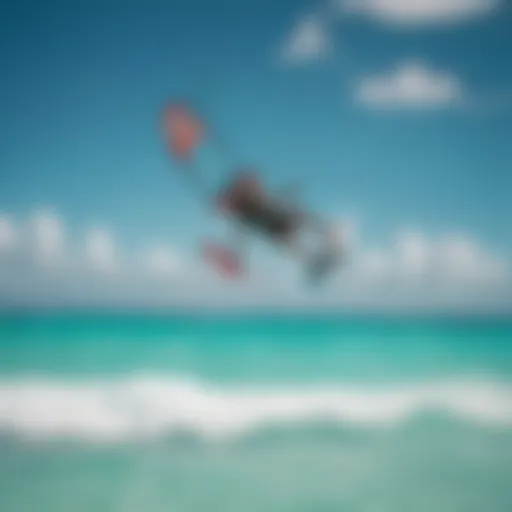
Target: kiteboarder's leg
column 288, row 238
column 329, row 238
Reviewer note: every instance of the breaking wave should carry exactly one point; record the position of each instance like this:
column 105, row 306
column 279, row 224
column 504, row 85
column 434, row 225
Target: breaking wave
column 152, row 405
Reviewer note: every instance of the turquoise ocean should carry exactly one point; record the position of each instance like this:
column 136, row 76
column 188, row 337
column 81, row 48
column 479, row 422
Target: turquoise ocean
column 254, row 413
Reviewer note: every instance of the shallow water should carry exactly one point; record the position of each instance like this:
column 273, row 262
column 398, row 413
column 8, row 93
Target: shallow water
column 149, row 413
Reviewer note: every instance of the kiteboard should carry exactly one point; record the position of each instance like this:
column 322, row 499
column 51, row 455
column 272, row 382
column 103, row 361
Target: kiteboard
column 222, row 259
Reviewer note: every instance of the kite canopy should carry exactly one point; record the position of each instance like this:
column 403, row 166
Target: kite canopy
column 183, row 131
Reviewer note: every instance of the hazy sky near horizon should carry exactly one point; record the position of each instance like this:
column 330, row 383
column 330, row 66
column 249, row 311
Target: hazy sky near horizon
column 392, row 116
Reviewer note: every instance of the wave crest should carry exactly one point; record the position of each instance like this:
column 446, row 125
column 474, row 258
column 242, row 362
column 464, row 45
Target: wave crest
column 114, row 410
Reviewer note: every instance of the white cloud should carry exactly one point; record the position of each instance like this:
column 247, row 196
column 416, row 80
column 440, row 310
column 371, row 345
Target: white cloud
column 48, row 237
column 419, row 12
column 452, row 260
column 309, row 40
column 100, row 250
column 414, row 253
column 161, row 261
column 411, row 85
column 375, row 264
column 410, row 268
column 8, row 237
column 463, row 259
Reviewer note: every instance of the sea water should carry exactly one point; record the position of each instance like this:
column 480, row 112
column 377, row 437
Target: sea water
column 248, row 413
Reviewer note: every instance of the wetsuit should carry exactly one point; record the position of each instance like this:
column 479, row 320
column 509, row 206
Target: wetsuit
column 259, row 212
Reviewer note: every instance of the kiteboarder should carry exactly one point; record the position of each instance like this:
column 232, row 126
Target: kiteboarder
column 246, row 201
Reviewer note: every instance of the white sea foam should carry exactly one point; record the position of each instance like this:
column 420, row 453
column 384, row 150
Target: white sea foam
column 115, row 410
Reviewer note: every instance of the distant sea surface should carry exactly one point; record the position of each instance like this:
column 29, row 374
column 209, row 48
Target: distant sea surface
column 251, row 413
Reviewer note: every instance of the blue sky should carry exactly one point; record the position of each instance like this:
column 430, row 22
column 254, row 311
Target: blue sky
column 397, row 120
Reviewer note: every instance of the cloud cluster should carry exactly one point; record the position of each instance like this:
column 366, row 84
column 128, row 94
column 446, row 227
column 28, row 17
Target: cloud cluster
column 416, row 271
column 418, row 12
column 412, row 267
column 311, row 37
column 451, row 260
column 411, row 85
column 41, row 242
